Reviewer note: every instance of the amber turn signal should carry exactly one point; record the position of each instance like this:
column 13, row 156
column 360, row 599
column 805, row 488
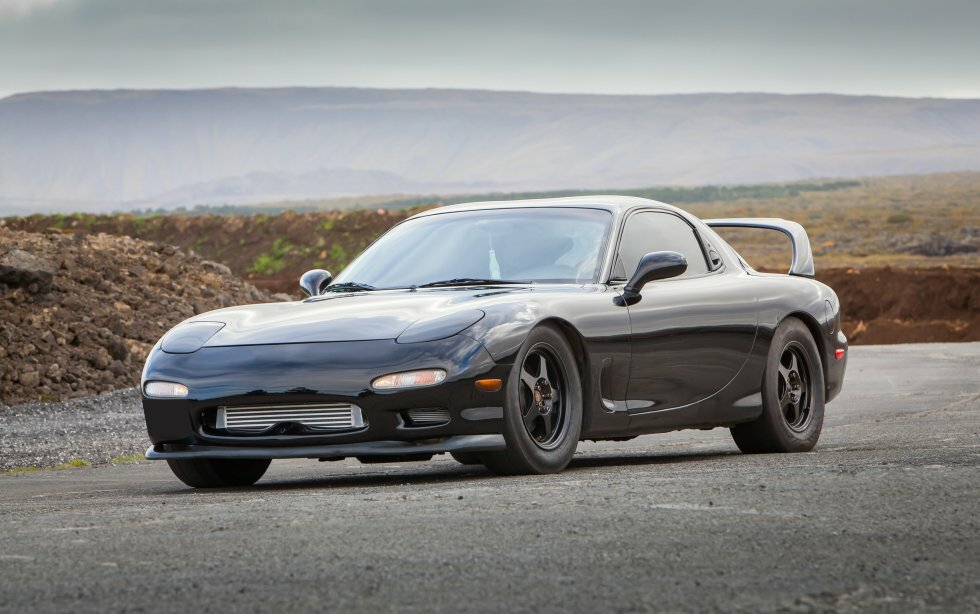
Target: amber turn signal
column 488, row 385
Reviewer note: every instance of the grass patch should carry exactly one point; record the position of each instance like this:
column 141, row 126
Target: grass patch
column 274, row 260
column 72, row 464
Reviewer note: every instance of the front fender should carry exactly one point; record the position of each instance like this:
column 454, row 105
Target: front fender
column 505, row 327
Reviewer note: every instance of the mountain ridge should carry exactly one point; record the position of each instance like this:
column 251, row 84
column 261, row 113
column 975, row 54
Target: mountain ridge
column 101, row 150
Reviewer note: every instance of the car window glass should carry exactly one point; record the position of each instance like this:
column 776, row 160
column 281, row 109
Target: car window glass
column 660, row 232
column 546, row 244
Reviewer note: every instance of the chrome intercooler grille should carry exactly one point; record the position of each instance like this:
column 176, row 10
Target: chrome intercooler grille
column 255, row 418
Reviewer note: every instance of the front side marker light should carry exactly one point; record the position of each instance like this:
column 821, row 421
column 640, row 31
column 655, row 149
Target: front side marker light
column 166, row 390
column 488, row 385
column 409, row 379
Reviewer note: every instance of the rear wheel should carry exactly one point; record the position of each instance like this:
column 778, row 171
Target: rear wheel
column 792, row 396
column 218, row 472
column 543, row 412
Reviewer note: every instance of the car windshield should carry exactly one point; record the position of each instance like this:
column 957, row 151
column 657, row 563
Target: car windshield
column 544, row 244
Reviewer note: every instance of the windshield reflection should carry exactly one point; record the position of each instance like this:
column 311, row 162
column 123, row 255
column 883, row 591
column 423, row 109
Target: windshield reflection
column 519, row 245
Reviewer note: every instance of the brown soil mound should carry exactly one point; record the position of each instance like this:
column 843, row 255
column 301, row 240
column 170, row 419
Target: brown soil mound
column 272, row 251
column 886, row 305
column 79, row 313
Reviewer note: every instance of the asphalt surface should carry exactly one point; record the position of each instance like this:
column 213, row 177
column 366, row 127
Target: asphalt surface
column 883, row 516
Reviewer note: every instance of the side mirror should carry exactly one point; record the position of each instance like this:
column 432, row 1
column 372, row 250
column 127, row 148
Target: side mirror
column 654, row 266
column 315, row 282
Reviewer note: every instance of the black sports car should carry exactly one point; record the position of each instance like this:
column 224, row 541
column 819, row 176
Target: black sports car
column 504, row 333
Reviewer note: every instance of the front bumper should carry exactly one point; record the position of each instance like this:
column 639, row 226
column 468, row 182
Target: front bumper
column 325, row 373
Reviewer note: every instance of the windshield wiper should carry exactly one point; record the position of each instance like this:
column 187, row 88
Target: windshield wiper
column 472, row 281
column 348, row 286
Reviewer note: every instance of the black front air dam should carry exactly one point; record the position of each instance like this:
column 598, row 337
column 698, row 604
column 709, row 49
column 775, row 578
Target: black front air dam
column 459, row 443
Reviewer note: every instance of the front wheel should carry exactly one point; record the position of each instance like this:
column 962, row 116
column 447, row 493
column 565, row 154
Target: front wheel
column 218, row 472
column 792, row 396
column 543, row 412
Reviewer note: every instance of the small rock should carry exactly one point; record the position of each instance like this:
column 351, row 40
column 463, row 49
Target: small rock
column 117, row 349
column 117, row 368
column 215, row 267
column 30, row 379
column 21, row 269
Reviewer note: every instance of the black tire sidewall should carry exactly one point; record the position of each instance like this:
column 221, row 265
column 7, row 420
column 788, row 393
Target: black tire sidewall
column 218, row 473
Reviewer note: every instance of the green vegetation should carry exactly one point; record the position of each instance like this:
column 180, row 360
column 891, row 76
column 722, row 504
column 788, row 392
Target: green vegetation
column 272, row 262
column 72, row 464
column 762, row 191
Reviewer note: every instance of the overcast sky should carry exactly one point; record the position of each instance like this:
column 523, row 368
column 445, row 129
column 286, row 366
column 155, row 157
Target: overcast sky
column 890, row 47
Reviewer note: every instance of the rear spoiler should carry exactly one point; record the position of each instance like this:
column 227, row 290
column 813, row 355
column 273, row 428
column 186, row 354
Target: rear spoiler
column 802, row 254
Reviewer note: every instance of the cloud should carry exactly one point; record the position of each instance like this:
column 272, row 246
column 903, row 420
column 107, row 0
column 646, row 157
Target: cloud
column 20, row 8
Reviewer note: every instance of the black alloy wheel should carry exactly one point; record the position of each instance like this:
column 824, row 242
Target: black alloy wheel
column 543, row 412
column 542, row 394
column 794, row 386
column 792, row 395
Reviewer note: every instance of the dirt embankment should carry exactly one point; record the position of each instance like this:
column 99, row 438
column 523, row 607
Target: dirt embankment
column 881, row 304
column 78, row 313
column 886, row 305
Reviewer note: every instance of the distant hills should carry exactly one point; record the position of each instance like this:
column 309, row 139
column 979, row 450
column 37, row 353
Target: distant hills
column 120, row 150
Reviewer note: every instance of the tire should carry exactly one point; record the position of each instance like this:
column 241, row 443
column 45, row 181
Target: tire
column 218, row 472
column 545, row 441
column 792, row 396
column 467, row 458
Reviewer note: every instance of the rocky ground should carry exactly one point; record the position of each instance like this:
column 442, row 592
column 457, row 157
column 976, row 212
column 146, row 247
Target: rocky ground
column 79, row 312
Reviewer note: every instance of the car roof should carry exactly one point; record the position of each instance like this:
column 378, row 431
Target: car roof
column 618, row 205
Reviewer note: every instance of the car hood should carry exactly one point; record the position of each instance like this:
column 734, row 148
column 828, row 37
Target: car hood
column 360, row 316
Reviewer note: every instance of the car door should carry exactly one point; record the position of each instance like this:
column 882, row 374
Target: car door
column 690, row 335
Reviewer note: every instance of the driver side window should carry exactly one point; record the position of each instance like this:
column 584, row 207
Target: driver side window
column 651, row 231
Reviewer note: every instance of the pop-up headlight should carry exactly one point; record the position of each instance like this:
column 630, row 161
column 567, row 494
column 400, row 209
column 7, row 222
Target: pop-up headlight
column 190, row 337
column 440, row 327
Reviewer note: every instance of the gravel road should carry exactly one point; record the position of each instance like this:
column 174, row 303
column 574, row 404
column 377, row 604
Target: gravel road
column 93, row 429
column 883, row 516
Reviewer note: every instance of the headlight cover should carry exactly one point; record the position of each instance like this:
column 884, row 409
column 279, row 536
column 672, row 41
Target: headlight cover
column 165, row 390
column 409, row 379
column 190, row 337
column 440, row 327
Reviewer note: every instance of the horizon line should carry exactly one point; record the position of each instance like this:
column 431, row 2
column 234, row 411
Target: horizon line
column 6, row 96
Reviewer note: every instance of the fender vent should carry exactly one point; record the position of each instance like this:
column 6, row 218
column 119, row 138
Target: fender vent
column 431, row 416
column 256, row 418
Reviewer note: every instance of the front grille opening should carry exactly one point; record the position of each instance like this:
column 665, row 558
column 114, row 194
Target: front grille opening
column 315, row 417
column 430, row 416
